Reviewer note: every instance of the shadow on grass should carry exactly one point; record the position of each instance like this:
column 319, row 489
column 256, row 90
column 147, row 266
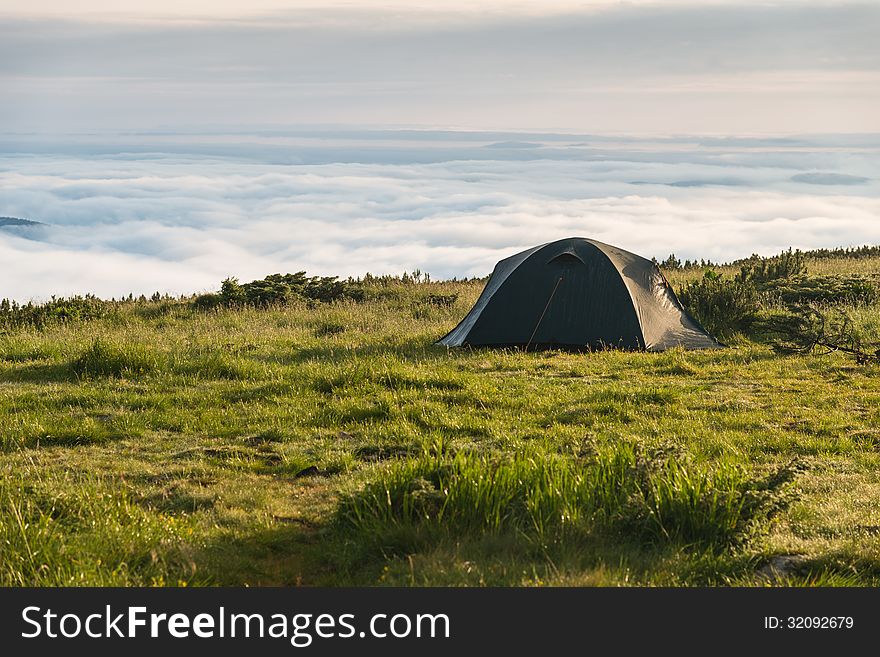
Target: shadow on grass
column 71, row 436
column 40, row 373
column 299, row 553
column 291, row 553
column 417, row 350
column 174, row 500
column 261, row 392
column 839, row 568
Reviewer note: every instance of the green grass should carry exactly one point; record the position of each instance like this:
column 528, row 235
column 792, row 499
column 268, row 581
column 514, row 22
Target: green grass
column 335, row 444
column 544, row 499
column 61, row 529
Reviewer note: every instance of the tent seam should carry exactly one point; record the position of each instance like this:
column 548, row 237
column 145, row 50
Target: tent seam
column 635, row 304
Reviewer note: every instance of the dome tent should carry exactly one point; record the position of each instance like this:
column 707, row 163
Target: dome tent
column 578, row 293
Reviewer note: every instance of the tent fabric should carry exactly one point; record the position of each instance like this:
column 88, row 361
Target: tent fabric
column 578, row 293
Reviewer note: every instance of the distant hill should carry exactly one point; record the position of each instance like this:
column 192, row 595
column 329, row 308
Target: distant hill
column 15, row 221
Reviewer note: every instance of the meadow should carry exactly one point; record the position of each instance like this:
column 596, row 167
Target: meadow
column 166, row 442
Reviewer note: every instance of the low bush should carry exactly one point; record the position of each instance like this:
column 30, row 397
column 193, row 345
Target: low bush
column 810, row 329
column 58, row 310
column 723, row 306
column 441, row 300
column 836, row 290
column 758, row 270
column 208, row 301
column 728, row 306
column 327, row 328
column 279, row 290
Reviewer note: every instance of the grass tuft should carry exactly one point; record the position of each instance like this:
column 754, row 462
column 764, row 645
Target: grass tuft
column 653, row 496
column 106, row 358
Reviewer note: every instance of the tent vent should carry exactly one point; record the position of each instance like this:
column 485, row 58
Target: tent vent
column 566, row 260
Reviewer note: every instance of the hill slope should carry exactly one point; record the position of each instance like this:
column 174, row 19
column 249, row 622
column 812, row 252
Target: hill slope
column 15, row 221
column 335, row 444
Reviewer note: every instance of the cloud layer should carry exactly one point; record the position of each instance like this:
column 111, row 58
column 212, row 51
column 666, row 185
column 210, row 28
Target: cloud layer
column 178, row 213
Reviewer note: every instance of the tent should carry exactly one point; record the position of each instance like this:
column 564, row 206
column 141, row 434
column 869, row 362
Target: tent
column 578, row 293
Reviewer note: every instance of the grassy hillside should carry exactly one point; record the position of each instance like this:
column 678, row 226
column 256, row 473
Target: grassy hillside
column 332, row 443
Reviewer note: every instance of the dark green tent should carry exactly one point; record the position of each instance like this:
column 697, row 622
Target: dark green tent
column 581, row 294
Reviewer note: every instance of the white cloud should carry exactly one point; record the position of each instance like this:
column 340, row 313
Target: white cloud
column 181, row 222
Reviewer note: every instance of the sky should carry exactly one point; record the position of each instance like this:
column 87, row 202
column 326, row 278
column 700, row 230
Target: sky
column 635, row 67
column 166, row 145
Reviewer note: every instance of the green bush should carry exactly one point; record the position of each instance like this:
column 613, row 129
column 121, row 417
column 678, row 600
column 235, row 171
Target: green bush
column 856, row 253
column 209, row 301
column 813, row 330
column 58, row 310
column 761, row 270
column 327, row 328
column 441, row 300
column 723, row 306
column 280, row 290
column 231, row 293
column 728, row 306
column 802, row 290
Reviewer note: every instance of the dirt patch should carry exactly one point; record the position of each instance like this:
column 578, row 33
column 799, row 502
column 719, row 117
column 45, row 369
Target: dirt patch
column 782, row 565
column 375, row 453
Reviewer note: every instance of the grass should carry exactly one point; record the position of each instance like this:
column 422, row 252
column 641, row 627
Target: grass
column 61, row 529
column 542, row 499
column 335, row 444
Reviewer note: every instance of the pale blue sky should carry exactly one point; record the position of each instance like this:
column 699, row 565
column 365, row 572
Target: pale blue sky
column 635, row 67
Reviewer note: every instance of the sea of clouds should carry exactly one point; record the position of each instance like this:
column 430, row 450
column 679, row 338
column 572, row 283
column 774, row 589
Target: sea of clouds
column 179, row 212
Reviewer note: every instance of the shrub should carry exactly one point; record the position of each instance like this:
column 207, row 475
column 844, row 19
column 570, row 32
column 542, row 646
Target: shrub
column 441, row 300
column 208, row 301
column 329, row 288
column 800, row 290
column 58, row 310
column 812, row 330
column 325, row 329
column 858, row 252
column 723, row 306
column 272, row 290
column 760, row 270
column 279, row 290
column 671, row 263
column 231, row 293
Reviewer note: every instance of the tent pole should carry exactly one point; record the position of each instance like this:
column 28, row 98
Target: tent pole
column 541, row 318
